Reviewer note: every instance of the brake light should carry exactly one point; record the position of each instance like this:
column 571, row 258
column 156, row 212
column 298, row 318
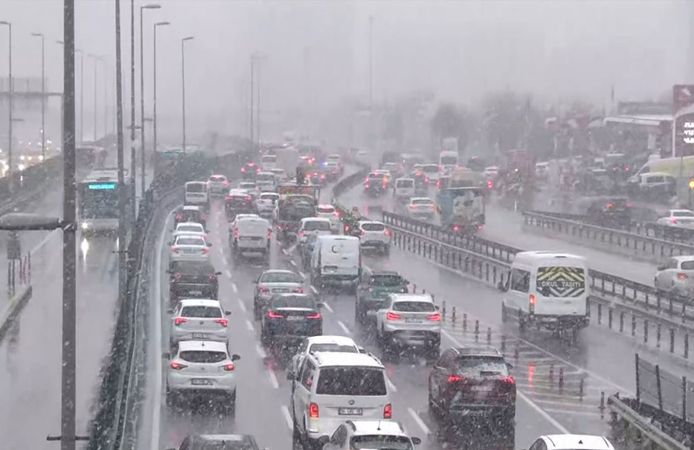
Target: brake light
column 455, row 378
column 313, row 411
column 436, row 317
column 174, row 249
column 212, row 277
column 177, row 276
column 299, row 290
column 509, row 380
column 388, row 411
column 490, row 184
column 274, row 315
column 313, row 316
column 177, row 365
column 180, row 320
column 532, row 300
column 264, row 290
column 393, row 316
column 205, row 250
column 682, row 276
column 222, row 322
column 456, row 228
column 673, row 221
column 229, row 367
column 387, row 232
column 179, row 216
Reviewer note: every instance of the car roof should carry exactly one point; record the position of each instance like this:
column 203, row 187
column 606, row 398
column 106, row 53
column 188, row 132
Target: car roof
column 195, row 182
column 199, row 302
column 191, row 208
column 682, row 258
column 326, row 205
column 371, row 221
column 478, row 350
column 277, row 271
column 577, row 441
column 391, row 427
column 337, row 359
column 189, row 236
column 197, row 224
column 331, row 339
column 215, row 346
column 384, row 273
column 217, row 175
column 316, row 219
column 423, row 298
column 420, row 198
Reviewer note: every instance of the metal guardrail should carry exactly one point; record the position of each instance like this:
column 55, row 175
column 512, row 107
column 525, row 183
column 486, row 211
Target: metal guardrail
column 633, row 242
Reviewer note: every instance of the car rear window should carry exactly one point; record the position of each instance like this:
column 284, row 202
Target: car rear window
column 272, row 197
column 269, row 158
column 293, row 301
column 317, row 225
column 376, row 175
column 252, row 225
column 351, row 381
column 226, row 445
column 196, row 187
column 201, row 311
column 405, row 183
column 280, row 278
column 218, row 178
column 202, row 356
column 379, row 441
column 326, row 209
column 386, row 280
column 183, row 240
column 192, row 228
column 430, row 168
column 687, row 265
column 373, row 227
column 423, row 201
column 478, row 366
column 413, row 307
column 683, row 214
column 333, row 348
column 193, row 267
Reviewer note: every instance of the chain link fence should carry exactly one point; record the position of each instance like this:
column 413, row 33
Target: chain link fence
column 664, row 390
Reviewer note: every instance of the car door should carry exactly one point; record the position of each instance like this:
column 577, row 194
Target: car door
column 302, row 392
column 381, row 313
column 440, row 372
column 667, row 273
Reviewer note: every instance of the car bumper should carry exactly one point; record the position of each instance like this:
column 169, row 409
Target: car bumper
column 413, row 338
column 559, row 322
column 181, row 382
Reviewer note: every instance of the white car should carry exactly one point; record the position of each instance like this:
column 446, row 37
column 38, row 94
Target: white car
column 248, row 186
column 316, row 226
column 190, row 228
column 202, row 367
column 409, row 320
column 266, row 203
column 676, row 275
column 421, row 208
column 265, row 181
column 432, row 172
column 571, row 442
column 189, row 248
column 491, row 172
column 217, row 184
column 403, row 189
column 329, row 212
column 198, row 319
column 313, row 344
column 195, row 193
column 233, row 225
column 271, row 282
column 376, row 434
column 374, row 234
column 683, row 218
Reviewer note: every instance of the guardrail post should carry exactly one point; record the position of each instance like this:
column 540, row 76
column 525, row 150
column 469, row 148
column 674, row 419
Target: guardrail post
column 443, row 309
column 489, row 335
column 621, row 321
column 453, row 315
column 464, row 322
column 633, row 325
column 561, row 378
column 551, row 373
column 602, row 403
column 645, row 331
column 672, row 340
column 686, row 346
column 657, row 335
column 659, row 386
column 477, row 330
column 503, row 343
column 599, row 313
column 515, row 353
column 580, row 389
column 609, row 318
column 684, row 398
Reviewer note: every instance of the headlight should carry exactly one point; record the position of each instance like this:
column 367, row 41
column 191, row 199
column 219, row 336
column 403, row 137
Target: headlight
column 84, row 225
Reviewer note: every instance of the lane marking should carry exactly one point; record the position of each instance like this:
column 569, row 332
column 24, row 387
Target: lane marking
column 522, row 396
column 314, row 290
column 260, row 351
column 390, row 384
column 228, row 273
column 292, row 263
column 241, row 305
column 344, row 327
column 303, row 275
column 273, row 379
column 234, row 288
column 226, row 261
column 419, row 421
column 327, row 306
column 287, row 417
column 250, row 326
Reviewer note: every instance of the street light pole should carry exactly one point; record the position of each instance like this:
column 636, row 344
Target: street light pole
column 96, row 60
column 81, row 133
column 10, row 90
column 142, row 100
column 183, row 86
column 122, row 256
column 154, row 87
column 133, row 199
column 43, row 94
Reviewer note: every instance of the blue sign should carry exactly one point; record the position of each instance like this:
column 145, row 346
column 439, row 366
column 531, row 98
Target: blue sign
column 102, row 186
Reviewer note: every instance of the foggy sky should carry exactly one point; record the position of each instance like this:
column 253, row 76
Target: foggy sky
column 316, row 52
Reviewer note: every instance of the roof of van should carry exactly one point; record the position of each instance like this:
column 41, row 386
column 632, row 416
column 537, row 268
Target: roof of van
column 346, row 359
column 544, row 255
column 336, row 237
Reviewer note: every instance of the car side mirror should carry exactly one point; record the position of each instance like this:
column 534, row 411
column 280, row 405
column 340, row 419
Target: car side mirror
column 416, row 440
column 235, row 357
column 362, row 350
column 209, row 244
column 227, row 313
column 509, row 366
column 218, row 273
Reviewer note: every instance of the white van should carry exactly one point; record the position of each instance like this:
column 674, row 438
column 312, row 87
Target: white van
column 547, row 288
column 195, row 193
column 268, row 162
column 336, row 261
column 332, row 387
column 403, row 189
column 251, row 234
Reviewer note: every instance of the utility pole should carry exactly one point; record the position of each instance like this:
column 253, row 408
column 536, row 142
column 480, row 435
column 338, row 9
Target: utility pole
column 133, row 158
column 371, row 82
column 252, row 105
column 142, row 102
column 10, row 90
column 183, row 86
column 154, row 87
column 43, row 94
column 122, row 192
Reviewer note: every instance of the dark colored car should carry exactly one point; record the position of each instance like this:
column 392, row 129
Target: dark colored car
column 238, row 203
column 190, row 214
column 192, row 279
column 249, row 170
column 376, row 184
column 317, row 177
column 219, row 442
column 374, row 290
column 288, row 318
column 612, row 212
column 421, row 183
column 472, row 384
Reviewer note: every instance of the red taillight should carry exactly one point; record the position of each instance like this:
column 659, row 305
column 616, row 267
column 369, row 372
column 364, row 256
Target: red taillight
column 264, row 290
column 673, row 221
column 180, row 320
column 177, row 276
column 532, row 300
column 222, row 322
column 229, row 367
column 456, row 228
column 455, row 378
column 177, row 365
column 387, row 232
column 436, row 317
column 509, row 380
column 174, row 249
column 205, row 250
column 299, row 290
column 388, row 411
column 313, row 411
column 490, row 184
column 212, row 277
column 274, row 315
column 393, row 316
column 682, row 276
column 179, row 217
column 313, row 316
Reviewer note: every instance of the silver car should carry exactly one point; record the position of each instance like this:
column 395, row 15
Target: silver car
column 188, row 247
column 198, row 319
column 676, row 275
column 409, row 320
column 273, row 282
column 202, row 367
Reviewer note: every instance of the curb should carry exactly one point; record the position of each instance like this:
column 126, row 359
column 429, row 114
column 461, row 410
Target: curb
column 13, row 308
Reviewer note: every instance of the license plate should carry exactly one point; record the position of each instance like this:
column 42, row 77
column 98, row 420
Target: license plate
column 199, row 335
column 413, row 320
column 350, row 411
column 295, row 318
column 200, row 382
column 481, row 388
column 280, row 291
column 198, row 292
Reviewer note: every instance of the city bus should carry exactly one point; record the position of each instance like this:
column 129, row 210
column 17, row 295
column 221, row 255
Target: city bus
column 97, row 202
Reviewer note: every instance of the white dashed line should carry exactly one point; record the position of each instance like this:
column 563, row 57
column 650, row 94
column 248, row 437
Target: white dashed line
column 314, row 290
column 419, row 421
column 292, row 263
column 344, row 327
column 226, row 262
column 234, row 288
column 249, row 325
column 327, row 306
column 228, row 274
column 260, row 351
column 242, row 306
column 286, row 253
column 287, row 417
column 303, row 275
column 391, row 386
column 273, row 379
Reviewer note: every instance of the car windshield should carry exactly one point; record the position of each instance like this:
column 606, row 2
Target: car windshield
column 293, row 301
column 188, row 240
column 430, row 168
column 405, row 183
column 195, row 187
column 351, row 381
column 373, row 227
column 478, row 366
column 280, row 277
column 202, row 356
column 331, row 347
column 201, row 311
column 380, row 442
column 190, row 228
column 687, row 265
column 326, row 209
column 317, row 225
column 682, row 214
column 414, row 307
